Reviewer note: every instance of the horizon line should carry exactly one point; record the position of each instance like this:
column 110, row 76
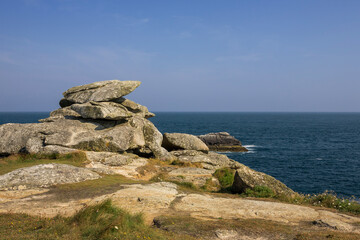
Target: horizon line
column 210, row 111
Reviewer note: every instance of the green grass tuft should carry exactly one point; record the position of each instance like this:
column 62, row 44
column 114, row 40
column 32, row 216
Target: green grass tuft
column 225, row 177
column 259, row 192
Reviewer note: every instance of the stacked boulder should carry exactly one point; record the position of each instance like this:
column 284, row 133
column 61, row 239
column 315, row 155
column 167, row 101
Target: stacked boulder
column 92, row 117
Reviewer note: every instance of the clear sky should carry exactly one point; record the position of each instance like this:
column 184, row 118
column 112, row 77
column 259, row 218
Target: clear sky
column 198, row 55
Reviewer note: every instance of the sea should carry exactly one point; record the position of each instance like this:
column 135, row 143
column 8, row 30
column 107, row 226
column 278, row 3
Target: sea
column 309, row 152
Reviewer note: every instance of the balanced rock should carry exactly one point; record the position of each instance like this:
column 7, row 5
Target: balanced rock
column 100, row 91
column 222, row 141
column 110, row 110
column 246, row 177
column 118, row 109
column 44, row 175
column 102, row 110
column 134, row 107
column 183, row 141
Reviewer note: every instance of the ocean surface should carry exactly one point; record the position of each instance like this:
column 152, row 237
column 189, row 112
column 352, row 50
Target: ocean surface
column 309, row 152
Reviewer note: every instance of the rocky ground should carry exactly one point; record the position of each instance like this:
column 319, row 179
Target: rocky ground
column 109, row 150
column 164, row 202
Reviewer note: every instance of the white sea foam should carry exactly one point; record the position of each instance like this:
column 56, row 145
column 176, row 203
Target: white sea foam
column 250, row 146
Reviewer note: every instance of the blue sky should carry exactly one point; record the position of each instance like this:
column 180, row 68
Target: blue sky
column 198, row 55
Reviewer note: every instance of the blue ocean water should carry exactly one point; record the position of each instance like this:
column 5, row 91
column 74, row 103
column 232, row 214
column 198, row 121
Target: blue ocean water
column 309, row 152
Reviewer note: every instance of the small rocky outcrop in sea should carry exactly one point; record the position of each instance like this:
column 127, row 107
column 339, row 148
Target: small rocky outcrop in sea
column 222, row 142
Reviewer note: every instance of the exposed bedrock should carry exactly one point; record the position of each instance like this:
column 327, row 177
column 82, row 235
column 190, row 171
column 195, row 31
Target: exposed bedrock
column 210, row 160
column 44, row 175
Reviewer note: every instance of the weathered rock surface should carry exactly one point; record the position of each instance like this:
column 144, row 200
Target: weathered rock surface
column 134, row 107
column 222, row 141
column 205, row 206
column 110, row 158
column 183, row 141
column 246, row 177
column 163, row 198
column 102, row 110
column 210, row 160
column 114, row 163
column 197, row 176
column 109, row 110
column 100, row 91
column 44, row 175
column 65, row 112
column 137, row 135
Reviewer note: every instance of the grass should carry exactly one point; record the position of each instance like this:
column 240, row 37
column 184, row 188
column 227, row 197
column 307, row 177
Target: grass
column 186, row 164
column 106, row 221
column 327, row 199
column 14, row 162
column 90, row 188
column 102, row 221
column 248, row 228
column 259, row 192
column 161, row 177
column 225, row 177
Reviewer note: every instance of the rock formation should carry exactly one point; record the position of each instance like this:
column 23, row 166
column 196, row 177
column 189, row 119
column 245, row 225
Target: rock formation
column 183, row 141
column 117, row 138
column 93, row 117
column 246, row 177
column 222, row 142
column 44, row 175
